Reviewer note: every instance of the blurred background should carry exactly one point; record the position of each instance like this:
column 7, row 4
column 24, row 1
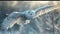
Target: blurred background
column 45, row 23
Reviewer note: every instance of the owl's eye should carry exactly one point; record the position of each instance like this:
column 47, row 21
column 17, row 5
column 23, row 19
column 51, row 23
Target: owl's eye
column 29, row 12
